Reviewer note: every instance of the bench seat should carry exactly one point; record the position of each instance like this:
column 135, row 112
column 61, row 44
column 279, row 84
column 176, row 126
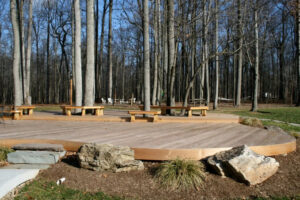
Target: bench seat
column 25, row 109
column 142, row 112
column 97, row 110
column 189, row 109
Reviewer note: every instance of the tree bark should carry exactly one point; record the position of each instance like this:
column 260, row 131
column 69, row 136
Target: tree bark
column 28, row 57
column 240, row 57
column 101, row 46
column 171, row 55
column 90, row 63
column 77, row 53
column 256, row 66
column 146, row 56
column 217, row 56
column 17, row 50
column 110, row 81
column 156, row 47
column 298, row 49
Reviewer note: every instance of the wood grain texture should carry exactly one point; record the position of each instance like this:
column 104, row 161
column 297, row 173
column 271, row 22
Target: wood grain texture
column 151, row 141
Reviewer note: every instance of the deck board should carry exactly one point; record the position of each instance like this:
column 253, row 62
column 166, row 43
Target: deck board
column 145, row 135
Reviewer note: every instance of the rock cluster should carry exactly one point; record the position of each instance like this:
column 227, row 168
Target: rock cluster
column 244, row 165
column 106, row 157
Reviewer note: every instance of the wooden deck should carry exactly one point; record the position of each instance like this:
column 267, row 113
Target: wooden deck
column 151, row 141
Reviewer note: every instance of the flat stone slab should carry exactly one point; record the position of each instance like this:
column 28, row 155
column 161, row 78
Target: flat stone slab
column 34, row 157
column 39, row 147
column 26, row 166
column 11, row 178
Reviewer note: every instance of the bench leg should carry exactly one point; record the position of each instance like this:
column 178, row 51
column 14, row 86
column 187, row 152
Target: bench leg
column 155, row 118
column 16, row 116
column 101, row 112
column 163, row 111
column 63, row 111
column 82, row 112
column 30, row 111
column 132, row 118
column 68, row 112
column 189, row 113
column 203, row 112
column 97, row 112
column 21, row 113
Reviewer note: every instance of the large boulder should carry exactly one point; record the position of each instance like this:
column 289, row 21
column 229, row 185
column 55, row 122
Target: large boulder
column 244, row 165
column 106, row 157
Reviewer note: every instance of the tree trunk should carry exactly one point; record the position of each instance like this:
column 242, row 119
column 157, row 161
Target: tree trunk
column 97, row 85
column 28, row 57
column 217, row 56
column 240, row 57
column 146, row 56
column 156, row 48
column 171, row 56
column 17, row 50
column 256, row 66
column 298, row 50
column 90, row 54
column 77, row 53
column 110, row 81
column 48, row 54
column 101, row 46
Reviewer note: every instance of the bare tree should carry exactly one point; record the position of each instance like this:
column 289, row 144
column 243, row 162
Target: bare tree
column 171, row 55
column 110, row 81
column 240, row 54
column 90, row 60
column 298, row 48
column 146, row 56
column 217, row 55
column 256, row 66
column 17, row 50
column 77, row 53
column 27, row 96
column 156, row 51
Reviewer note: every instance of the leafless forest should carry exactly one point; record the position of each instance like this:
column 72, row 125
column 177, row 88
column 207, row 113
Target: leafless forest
column 157, row 51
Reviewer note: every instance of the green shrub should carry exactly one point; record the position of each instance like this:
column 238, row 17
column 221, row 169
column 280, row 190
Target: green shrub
column 180, row 174
column 3, row 153
column 252, row 122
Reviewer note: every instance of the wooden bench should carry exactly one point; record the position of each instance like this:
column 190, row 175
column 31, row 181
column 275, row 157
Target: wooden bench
column 25, row 109
column 96, row 110
column 188, row 109
column 202, row 109
column 9, row 110
column 142, row 112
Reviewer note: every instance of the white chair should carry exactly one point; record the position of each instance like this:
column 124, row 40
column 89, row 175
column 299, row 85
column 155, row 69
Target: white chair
column 103, row 100
column 110, row 100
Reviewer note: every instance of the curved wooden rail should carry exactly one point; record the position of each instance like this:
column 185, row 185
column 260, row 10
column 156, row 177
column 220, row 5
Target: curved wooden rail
column 164, row 154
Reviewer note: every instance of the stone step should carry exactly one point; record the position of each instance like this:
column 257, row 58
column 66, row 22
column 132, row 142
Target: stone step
column 39, row 147
column 11, row 178
column 34, row 157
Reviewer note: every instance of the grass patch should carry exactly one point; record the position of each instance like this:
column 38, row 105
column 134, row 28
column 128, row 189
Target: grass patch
column 285, row 114
column 180, row 174
column 3, row 153
column 40, row 189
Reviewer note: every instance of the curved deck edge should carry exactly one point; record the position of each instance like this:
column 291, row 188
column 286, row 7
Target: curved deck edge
column 165, row 154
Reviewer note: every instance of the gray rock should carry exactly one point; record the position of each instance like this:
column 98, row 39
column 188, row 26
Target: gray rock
column 102, row 157
column 244, row 165
column 39, row 147
column 34, row 157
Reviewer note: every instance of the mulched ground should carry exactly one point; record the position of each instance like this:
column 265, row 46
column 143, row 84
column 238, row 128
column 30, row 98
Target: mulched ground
column 142, row 185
